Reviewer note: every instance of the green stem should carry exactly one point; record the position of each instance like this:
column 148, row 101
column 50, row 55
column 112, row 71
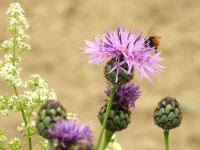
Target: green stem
column 108, row 137
column 166, row 136
column 112, row 93
column 21, row 109
column 16, row 93
column 30, row 142
column 14, row 53
column 25, row 120
column 50, row 144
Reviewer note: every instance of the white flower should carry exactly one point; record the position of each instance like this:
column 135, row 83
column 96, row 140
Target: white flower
column 8, row 57
column 71, row 116
column 11, row 74
column 6, row 45
column 16, row 16
column 21, row 128
column 12, row 102
column 15, row 144
column 17, row 22
column 39, row 92
column 44, row 144
column 4, row 112
column 114, row 145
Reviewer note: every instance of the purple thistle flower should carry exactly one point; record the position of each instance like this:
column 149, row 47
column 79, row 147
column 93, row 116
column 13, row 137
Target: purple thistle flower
column 125, row 95
column 68, row 133
column 129, row 46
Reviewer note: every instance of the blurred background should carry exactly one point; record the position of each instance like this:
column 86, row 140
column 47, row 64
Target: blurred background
column 58, row 29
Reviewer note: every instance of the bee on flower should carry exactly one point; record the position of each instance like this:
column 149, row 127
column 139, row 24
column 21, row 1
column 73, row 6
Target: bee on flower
column 127, row 52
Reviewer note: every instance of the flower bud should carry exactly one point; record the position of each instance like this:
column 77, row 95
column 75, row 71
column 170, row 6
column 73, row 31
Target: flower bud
column 119, row 75
column 49, row 113
column 167, row 114
column 118, row 118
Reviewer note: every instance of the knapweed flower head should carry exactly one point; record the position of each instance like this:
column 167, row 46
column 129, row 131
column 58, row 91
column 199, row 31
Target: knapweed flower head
column 127, row 48
column 69, row 133
column 125, row 95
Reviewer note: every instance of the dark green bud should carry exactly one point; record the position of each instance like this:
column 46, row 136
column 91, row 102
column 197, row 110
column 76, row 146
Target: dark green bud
column 118, row 118
column 122, row 76
column 167, row 114
column 49, row 113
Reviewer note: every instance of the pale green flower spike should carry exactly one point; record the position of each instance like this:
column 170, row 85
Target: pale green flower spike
column 36, row 91
column 10, row 70
column 17, row 23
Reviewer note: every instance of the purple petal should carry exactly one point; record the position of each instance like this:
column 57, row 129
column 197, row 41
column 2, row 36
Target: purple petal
column 129, row 46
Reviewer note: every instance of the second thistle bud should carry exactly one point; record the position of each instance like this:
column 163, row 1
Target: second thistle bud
column 118, row 119
column 167, row 114
column 49, row 113
column 119, row 75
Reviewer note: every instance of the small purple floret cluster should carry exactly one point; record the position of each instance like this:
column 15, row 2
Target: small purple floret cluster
column 68, row 133
column 125, row 95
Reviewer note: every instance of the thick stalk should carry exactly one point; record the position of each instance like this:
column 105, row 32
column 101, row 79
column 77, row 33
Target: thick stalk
column 50, row 144
column 112, row 93
column 108, row 137
column 166, row 137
